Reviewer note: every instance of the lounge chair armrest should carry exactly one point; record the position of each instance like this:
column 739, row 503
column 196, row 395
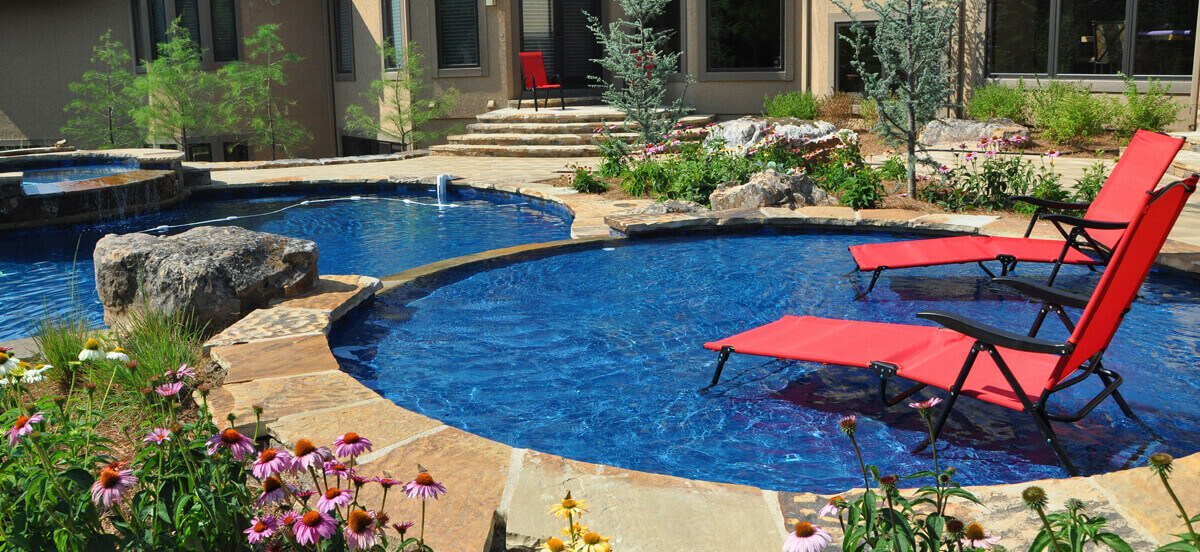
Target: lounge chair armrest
column 1043, row 292
column 995, row 336
column 1085, row 223
column 1051, row 204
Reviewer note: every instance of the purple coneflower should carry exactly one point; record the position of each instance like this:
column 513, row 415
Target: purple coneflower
column 969, row 156
column 387, row 482
column 351, row 444
column 287, row 519
column 807, row 538
column 24, row 426
column 925, row 404
column 335, row 468
column 169, row 389
column 271, row 462
column 424, row 486
column 360, row 530
column 944, row 169
column 111, row 484
column 157, row 435
column 240, row 445
column 314, row 526
column 307, row 455
column 260, row 528
column 402, row 527
column 975, row 537
column 304, row 495
column 273, row 492
column 849, row 424
column 832, row 509
column 333, row 498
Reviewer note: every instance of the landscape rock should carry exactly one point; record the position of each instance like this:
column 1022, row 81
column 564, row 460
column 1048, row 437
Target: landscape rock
column 770, row 188
column 671, row 206
column 970, row 132
column 217, row 274
column 741, row 134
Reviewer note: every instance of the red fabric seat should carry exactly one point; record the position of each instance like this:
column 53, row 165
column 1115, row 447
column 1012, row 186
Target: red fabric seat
column 941, row 357
column 923, row 354
column 1139, row 170
column 533, row 78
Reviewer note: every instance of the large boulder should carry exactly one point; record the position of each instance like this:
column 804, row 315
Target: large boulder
column 740, row 135
column 952, row 132
column 770, row 188
column 217, row 274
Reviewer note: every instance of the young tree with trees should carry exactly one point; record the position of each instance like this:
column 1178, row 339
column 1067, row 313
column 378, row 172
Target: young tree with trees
column 181, row 94
column 254, row 94
column 914, row 79
column 101, row 114
column 405, row 98
column 635, row 54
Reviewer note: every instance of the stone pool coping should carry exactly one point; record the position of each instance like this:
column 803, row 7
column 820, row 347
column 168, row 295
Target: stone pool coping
column 276, row 357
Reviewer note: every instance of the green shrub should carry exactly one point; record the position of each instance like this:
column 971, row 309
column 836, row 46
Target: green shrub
column 613, row 153
column 989, row 182
column 893, row 168
column 1068, row 112
column 1089, row 186
column 994, row 101
column 837, row 108
column 801, row 105
column 869, row 111
column 584, row 182
column 862, row 190
column 1150, row 110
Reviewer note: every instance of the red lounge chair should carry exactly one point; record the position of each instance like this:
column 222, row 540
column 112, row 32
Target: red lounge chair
column 533, row 78
column 1015, row 371
column 1143, row 164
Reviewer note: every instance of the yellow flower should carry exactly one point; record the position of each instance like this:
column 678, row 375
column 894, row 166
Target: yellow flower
column 574, row 528
column 553, row 545
column 569, row 506
column 593, row 542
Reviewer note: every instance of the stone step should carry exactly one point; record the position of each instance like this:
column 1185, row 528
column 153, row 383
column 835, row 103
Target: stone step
column 1186, row 163
column 515, row 150
column 1193, row 140
column 522, row 139
column 572, row 114
column 554, row 102
column 583, row 127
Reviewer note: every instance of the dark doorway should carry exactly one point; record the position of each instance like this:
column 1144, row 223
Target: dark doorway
column 558, row 29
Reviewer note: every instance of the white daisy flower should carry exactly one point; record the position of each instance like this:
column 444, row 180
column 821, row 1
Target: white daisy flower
column 91, row 351
column 118, row 355
column 7, row 363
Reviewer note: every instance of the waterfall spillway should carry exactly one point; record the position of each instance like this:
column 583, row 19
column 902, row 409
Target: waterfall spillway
column 443, row 180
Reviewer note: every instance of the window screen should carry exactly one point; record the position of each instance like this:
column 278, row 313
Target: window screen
column 458, row 33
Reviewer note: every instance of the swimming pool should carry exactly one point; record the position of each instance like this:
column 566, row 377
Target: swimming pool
column 597, row 356
column 389, row 230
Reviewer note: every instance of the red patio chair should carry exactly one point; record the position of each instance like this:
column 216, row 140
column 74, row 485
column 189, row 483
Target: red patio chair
column 1143, row 164
column 533, row 78
column 1015, row 371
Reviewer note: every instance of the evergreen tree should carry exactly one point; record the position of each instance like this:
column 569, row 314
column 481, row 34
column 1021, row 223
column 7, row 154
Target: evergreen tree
column 254, row 93
column 405, row 100
column 181, row 94
column 101, row 114
column 634, row 53
column 914, row 80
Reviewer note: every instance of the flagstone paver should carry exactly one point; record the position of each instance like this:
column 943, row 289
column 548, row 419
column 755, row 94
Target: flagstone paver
column 288, row 356
column 388, row 424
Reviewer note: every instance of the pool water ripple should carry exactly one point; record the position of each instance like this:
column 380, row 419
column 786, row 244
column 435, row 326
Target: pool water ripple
column 597, row 356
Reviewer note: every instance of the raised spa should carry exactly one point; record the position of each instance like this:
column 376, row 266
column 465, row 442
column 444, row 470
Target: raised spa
column 373, row 231
column 597, row 356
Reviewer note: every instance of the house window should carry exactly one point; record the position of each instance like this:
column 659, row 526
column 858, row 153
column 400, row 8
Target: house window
column 343, row 36
column 216, row 19
column 199, row 152
column 670, row 20
column 236, row 151
column 1092, row 37
column 458, row 33
column 848, row 77
column 392, row 26
column 745, row 35
column 224, row 31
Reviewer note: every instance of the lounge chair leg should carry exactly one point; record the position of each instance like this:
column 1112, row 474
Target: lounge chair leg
column 1116, row 395
column 1052, row 439
column 987, row 270
column 944, row 415
column 1037, row 322
column 871, row 286
column 721, row 358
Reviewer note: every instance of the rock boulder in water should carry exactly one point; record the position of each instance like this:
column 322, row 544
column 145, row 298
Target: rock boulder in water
column 216, row 274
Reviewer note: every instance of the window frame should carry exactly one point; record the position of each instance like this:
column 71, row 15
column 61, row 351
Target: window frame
column 338, row 74
column 393, row 28
column 479, row 70
column 1109, row 82
column 837, row 22
column 787, row 51
column 142, row 36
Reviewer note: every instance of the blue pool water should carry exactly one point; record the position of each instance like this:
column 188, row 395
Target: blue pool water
column 39, row 269
column 597, row 356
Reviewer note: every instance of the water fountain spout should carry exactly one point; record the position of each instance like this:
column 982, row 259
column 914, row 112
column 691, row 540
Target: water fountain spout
column 443, row 181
